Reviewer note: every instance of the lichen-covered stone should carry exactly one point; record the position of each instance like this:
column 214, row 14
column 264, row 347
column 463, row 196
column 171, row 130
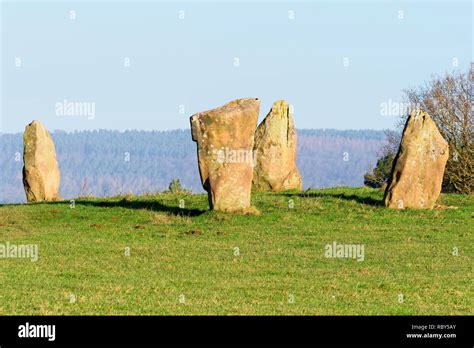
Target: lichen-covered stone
column 41, row 176
column 418, row 168
column 275, row 149
column 225, row 138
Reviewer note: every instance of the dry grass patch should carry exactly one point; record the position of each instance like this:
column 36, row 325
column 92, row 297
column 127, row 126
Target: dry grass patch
column 163, row 218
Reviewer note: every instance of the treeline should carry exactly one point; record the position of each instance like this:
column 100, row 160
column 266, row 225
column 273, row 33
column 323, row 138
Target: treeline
column 106, row 163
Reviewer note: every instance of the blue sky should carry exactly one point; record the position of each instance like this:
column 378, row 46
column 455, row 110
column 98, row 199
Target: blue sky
column 179, row 66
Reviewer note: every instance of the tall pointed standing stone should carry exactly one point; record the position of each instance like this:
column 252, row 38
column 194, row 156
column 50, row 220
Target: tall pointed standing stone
column 225, row 138
column 275, row 148
column 418, row 168
column 41, row 175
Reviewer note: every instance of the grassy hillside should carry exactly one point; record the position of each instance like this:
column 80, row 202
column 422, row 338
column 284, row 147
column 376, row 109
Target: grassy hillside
column 185, row 261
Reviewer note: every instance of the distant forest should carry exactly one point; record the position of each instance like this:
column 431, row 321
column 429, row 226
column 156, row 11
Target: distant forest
column 106, row 163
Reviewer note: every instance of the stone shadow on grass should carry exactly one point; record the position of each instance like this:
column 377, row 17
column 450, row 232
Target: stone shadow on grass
column 140, row 204
column 350, row 197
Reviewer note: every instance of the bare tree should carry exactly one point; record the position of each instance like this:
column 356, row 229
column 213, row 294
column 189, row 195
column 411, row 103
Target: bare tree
column 448, row 100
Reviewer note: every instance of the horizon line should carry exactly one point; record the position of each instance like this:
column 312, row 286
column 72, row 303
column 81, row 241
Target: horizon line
column 189, row 129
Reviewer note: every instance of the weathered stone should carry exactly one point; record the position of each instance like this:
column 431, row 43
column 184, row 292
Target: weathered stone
column 275, row 149
column 225, row 138
column 418, row 168
column 41, row 175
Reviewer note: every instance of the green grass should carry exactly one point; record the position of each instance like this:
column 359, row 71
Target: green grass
column 191, row 252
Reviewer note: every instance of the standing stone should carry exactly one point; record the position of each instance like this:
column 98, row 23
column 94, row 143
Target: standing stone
column 41, row 175
column 275, row 148
column 225, row 138
column 418, row 168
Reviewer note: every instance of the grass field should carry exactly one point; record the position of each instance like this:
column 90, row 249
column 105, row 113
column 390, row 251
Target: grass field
column 145, row 255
